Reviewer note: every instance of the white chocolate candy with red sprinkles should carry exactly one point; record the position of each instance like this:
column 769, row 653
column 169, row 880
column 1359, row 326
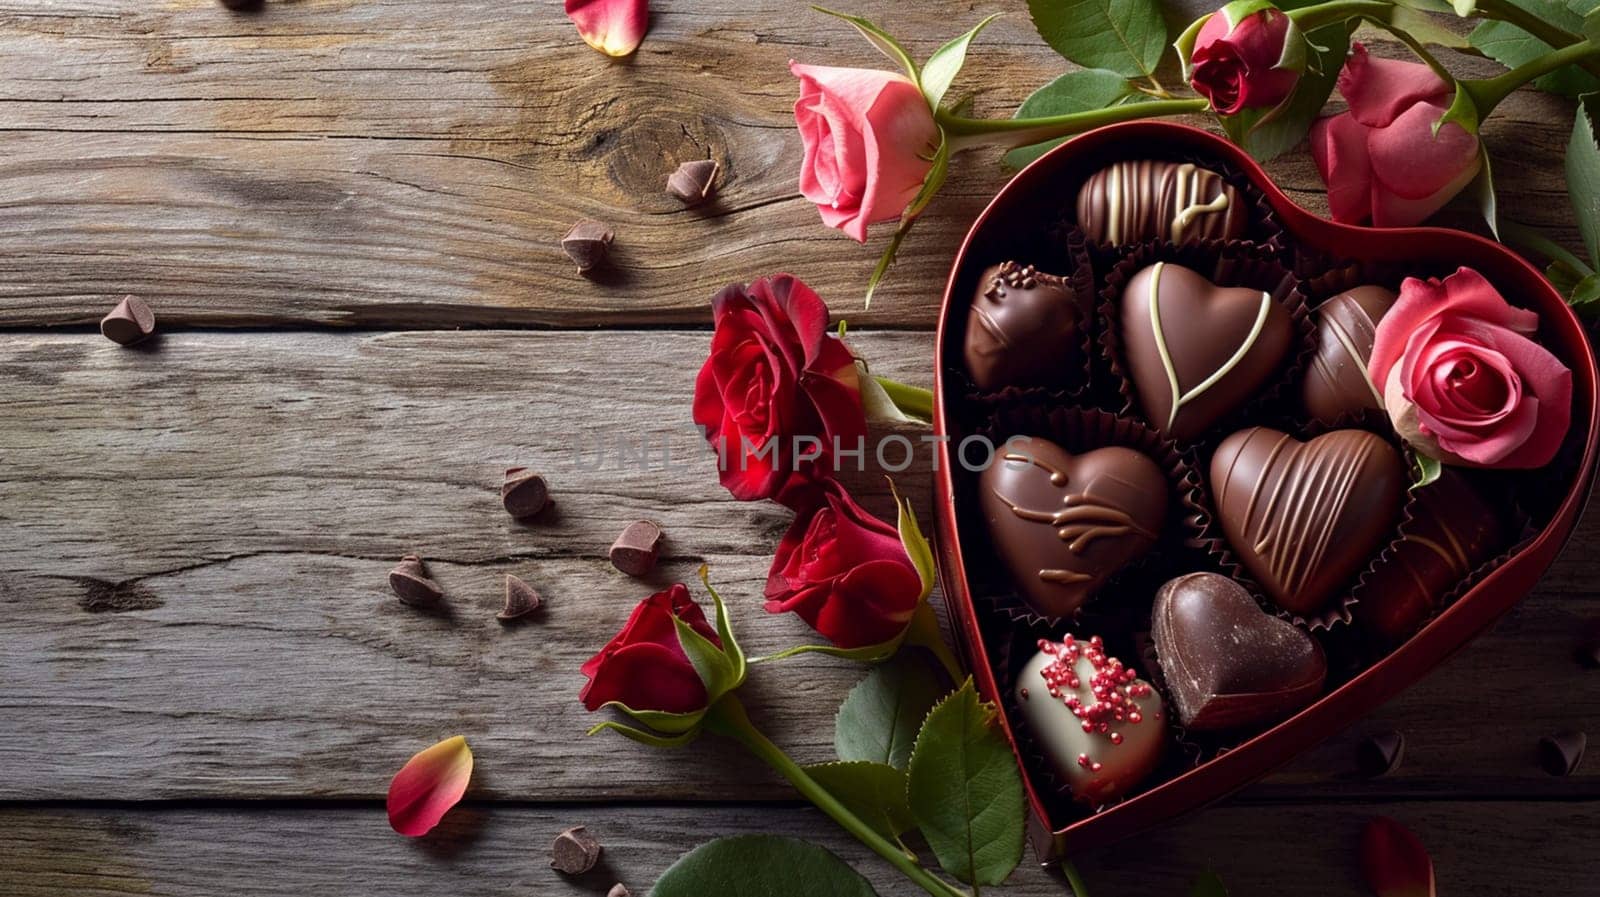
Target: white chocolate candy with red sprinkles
column 1101, row 727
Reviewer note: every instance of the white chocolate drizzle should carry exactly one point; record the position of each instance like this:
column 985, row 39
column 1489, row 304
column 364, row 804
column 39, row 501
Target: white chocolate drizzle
column 1179, row 397
column 1188, row 180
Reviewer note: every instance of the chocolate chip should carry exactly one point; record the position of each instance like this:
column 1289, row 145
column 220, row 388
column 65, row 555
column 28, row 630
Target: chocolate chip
column 1380, row 753
column 1561, row 753
column 694, row 182
column 412, row 585
column 587, row 244
column 524, row 493
column 128, row 323
column 243, row 5
column 575, row 851
column 618, row 890
column 636, row 550
column 521, row 600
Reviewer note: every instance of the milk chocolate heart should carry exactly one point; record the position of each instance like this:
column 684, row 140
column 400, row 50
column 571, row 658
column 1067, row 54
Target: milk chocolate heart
column 1196, row 351
column 1063, row 524
column 1226, row 662
column 1337, row 383
column 1306, row 517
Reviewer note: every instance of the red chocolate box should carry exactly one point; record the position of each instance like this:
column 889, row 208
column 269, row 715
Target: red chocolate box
column 1019, row 224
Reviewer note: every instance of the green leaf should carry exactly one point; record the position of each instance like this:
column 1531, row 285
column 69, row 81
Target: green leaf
column 1583, row 173
column 1208, row 885
column 1482, row 187
column 1428, row 470
column 881, row 39
column 874, row 792
column 715, row 668
column 914, row 542
column 1464, row 8
column 879, row 719
column 1425, row 29
column 1563, row 278
column 966, row 792
column 1081, row 91
column 1267, row 134
column 1125, row 36
column 945, row 63
column 1591, row 17
column 1585, row 297
column 761, row 866
column 730, row 644
column 1511, row 46
column 1438, row 6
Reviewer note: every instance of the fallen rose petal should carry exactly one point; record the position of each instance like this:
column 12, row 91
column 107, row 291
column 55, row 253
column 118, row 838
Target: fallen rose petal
column 428, row 786
column 1393, row 860
column 614, row 27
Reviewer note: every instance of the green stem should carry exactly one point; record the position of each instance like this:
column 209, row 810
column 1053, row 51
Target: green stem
column 964, row 132
column 1488, row 93
column 1079, row 889
column 727, row 717
column 1540, row 28
column 913, row 400
column 924, row 631
column 1310, row 18
column 1525, row 237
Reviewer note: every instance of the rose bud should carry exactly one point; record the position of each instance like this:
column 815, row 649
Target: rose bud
column 644, row 667
column 1381, row 159
column 778, row 391
column 1462, row 379
column 869, row 142
column 844, row 571
column 1246, row 55
column 614, row 27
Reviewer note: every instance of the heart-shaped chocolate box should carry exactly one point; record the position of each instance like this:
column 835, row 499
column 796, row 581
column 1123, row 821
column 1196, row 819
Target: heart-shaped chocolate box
column 1019, row 224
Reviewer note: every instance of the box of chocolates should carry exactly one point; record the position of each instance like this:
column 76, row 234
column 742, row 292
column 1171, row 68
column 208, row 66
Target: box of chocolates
column 1221, row 476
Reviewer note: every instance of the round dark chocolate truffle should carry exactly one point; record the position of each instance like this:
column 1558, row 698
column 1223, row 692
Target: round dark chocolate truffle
column 1024, row 329
column 1337, row 383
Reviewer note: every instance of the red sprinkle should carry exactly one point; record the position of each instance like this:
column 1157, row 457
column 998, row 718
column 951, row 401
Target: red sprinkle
column 1114, row 687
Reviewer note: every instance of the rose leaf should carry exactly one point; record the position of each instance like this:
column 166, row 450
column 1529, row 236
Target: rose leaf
column 874, row 792
column 1511, row 46
column 965, row 790
column 878, row 720
column 1125, row 36
column 940, row 71
column 1081, row 91
column 1583, row 173
column 761, row 866
column 1482, row 187
column 1585, row 297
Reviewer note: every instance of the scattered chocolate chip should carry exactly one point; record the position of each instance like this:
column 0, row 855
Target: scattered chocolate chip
column 587, row 244
column 412, row 585
column 524, row 493
column 618, row 890
column 636, row 550
column 1561, row 753
column 1380, row 753
column 521, row 600
column 131, row 321
column 575, row 851
column 241, row 4
column 694, row 182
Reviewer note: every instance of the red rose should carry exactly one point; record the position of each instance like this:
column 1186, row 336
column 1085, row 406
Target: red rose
column 844, row 572
column 1461, row 379
column 1247, row 55
column 644, row 667
column 1382, row 160
column 778, row 391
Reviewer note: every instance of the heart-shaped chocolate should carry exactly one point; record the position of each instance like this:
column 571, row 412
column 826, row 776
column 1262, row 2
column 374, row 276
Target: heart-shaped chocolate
column 1196, row 351
column 1226, row 662
column 1064, row 524
column 1337, row 383
column 1305, row 517
column 1024, row 329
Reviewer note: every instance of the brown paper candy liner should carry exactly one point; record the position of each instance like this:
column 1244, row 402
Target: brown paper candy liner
column 1077, row 275
column 1011, row 653
column 1079, row 430
column 1226, row 264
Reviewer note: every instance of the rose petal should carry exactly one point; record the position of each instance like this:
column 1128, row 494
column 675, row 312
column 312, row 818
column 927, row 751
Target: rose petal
column 1393, row 860
column 614, row 27
column 1378, row 90
column 1339, row 147
column 428, row 786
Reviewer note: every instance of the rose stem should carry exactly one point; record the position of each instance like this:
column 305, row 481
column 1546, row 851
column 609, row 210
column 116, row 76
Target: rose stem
column 924, row 631
column 965, row 132
column 913, row 400
column 1488, row 93
column 1079, row 889
column 727, row 717
column 1512, row 14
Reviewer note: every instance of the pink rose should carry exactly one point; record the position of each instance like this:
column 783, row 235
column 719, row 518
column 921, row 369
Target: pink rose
column 1461, row 379
column 1381, row 160
column 870, row 140
column 1244, row 61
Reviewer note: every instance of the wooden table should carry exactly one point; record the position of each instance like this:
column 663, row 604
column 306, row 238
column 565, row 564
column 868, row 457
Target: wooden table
column 346, row 215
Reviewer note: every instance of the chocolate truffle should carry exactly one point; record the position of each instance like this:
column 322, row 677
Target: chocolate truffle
column 1063, row 524
column 1226, row 662
column 1306, row 517
column 1451, row 531
column 1337, row 383
column 1134, row 201
column 1099, row 725
column 1023, row 329
column 1196, row 351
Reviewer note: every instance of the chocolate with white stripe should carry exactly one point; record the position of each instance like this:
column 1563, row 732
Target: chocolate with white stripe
column 1137, row 200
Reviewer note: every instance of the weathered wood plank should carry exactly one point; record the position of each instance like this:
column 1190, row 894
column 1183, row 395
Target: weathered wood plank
column 1522, row 847
column 411, row 163
column 192, row 596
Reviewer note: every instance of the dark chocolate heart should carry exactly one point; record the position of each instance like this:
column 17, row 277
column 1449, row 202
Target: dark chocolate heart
column 1024, row 329
column 1196, row 351
column 1226, row 662
column 1064, row 524
column 1337, row 384
column 1305, row 517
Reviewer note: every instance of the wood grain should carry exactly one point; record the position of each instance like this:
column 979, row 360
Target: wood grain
column 413, row 164
column 1515, row 848
column 193, row 603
